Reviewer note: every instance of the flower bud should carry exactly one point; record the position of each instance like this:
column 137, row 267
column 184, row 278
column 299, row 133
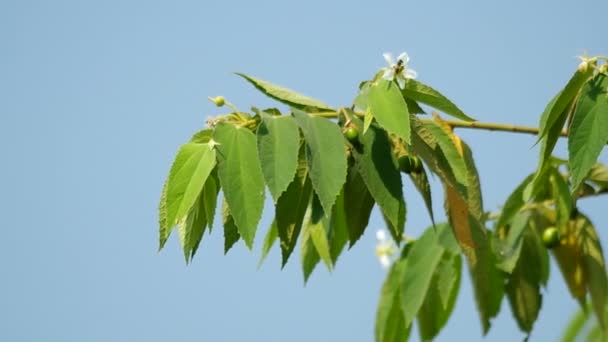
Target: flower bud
column 218, row 100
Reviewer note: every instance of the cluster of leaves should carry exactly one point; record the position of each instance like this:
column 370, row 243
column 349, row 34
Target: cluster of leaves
column 324, row 184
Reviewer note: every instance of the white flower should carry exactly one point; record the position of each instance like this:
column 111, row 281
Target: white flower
column 384, row 249
column 398, row 69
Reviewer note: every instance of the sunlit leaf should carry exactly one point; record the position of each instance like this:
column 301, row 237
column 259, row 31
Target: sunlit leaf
column 278, row 141
column 557, row 107
column 389, row 109
column 318, row 227
column 190, row 170
column 420, row 92
column 390, row 323
column 326, row 156
column 191, row 228
column 269, row 240
column 241, row 177
column 422, row 261
column 588, row 133
column 287, row 96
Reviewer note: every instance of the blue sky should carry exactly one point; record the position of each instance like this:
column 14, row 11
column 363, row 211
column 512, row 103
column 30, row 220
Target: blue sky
column 96, row 97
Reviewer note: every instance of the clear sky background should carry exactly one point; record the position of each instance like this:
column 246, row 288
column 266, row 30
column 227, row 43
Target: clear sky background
column 96, row 97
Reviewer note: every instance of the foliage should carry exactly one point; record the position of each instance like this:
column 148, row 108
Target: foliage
column 327, row 168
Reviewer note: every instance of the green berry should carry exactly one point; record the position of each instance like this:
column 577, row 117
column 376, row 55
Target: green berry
column 551, row 237
column 351, row 133
column 405, row 164
column 218, row 100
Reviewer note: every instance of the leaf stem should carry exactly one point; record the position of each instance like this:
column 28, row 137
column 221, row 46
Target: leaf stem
column 490, row 126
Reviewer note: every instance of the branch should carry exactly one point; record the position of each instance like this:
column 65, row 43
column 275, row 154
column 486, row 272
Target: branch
column 490, row 126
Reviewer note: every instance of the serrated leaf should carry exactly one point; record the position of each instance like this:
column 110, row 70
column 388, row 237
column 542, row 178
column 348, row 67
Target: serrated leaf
column 452, row 152
column 474, row 196
column 318, row 227
column 378, row 169
column 241, row 177
column 523, row 285
column 588, row 133
column 309, row 255
column 441, row 297
column 556, row 109
column 338, row 234
column 164, row 230
column 325, row 151
column 514, row 203
column 390, row 323
column 422, row 261
column 595, row 267
column 562, row 198
column 420, row 92
column 291, row 207
column 231, row 232
column 421, row 182
column 188, row 174
column 269, row 240
column 285, row 95
column 358, row 204
column 278, row 141
column 568, row 255
column 389, row 109
column 192, row 227
column 487, row 280
column 209, row 195
column 509, row 249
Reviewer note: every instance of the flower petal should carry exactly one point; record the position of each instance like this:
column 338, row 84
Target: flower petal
column 388, row 57
column 404, row 57
column 409, row 73
column 381, row 235
column 401, row 81
column 384, row 261
column 389, row 74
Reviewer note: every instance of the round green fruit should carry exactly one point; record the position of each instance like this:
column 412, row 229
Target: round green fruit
column 351, row 133
column 406, row 164
column 551, row 237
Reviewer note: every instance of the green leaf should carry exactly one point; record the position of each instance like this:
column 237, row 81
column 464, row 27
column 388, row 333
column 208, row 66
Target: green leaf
column 358, row 204
column 390, row 323
column 557, row 108
column 389, row 109
column 286, row 96
column 318, row 227
column 378, row 169
column 474, row 197
column 514, row 203
column 231, row 232
column 326, row 154
column 594, row 266
column 421, row 182
column 588, row 132
column 487, row 282
column 309, row 255
column 164, row 230
column 269, row 240
column 338, row 232
column 278, row 145
column 241, row 177
column 450, row 151
column 441, row 297
column 509, row 248
column 575, row 327
column 523, row 285
column 202, row 137
column 291, row 208
column 420, row 92
column 422, row 261
column 190, row 170
column 209, row 197
column 192, row 227
column 562, row 198
column 599, row 175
